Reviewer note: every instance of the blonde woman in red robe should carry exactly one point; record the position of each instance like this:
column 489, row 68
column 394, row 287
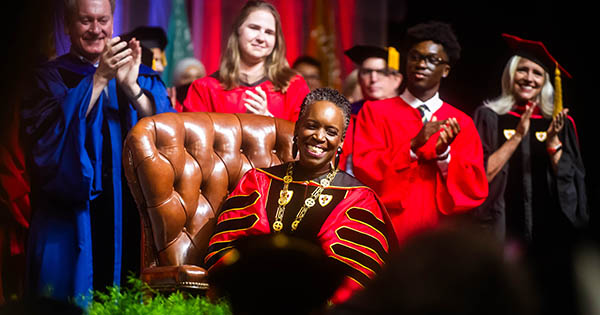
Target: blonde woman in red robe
column 253, row 76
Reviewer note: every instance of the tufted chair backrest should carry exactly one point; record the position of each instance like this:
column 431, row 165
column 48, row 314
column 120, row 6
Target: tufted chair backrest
column 180, row 168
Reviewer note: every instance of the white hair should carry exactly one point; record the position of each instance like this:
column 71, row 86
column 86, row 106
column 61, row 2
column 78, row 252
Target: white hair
column 184, row 64
column 505, row 102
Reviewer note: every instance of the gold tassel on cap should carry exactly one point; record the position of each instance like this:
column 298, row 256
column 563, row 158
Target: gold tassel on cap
column 558, row 104
column 164, row 59
column 393, row 58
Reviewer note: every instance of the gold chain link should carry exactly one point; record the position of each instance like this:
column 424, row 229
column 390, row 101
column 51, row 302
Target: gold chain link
column 308, row 203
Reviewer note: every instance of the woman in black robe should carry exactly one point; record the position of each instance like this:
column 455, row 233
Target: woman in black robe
column 537, row 195
column 531, row 153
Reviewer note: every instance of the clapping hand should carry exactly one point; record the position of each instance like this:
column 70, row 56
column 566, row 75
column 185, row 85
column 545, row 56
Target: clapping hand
column 428, row 130
column 524, row 122
column 257, row 102
column 450, row 130
column 115, row 55
column 557, row 124
column 121, row 60
column 128, row 72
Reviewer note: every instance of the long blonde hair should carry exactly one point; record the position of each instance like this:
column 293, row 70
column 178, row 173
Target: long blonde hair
column 505, row 102
column 277, row 69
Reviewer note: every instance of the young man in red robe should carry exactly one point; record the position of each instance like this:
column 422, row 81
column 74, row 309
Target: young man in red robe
column 421, row 155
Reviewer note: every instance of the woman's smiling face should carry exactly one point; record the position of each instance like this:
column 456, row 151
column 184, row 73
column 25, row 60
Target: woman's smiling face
column 257, row 36
column 528, row 81
column 319, row 135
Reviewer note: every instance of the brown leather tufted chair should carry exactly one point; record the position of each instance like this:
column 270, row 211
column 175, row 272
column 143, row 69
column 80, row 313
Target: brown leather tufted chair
column 180, row 167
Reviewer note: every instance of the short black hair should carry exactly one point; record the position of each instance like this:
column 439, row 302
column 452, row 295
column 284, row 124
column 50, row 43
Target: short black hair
column 439, row 32
column 308, row 60
column 330, row 95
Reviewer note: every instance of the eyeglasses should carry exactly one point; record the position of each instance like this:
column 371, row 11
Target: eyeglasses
column 366, row 72
column 432, row 60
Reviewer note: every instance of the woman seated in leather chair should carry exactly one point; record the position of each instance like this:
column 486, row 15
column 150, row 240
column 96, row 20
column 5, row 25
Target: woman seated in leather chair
column 310, row 199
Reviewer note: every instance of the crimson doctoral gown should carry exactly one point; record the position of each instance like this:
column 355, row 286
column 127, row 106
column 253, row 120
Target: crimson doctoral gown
column 348, row 221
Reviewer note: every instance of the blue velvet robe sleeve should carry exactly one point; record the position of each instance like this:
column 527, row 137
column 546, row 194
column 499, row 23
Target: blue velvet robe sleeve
column 155, row 90
column 66, row 147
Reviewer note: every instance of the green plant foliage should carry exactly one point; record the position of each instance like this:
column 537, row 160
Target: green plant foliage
column 138, row 298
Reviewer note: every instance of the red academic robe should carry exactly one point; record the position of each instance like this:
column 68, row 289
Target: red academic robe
column 350, row 224
column 415, row 192
column 208, row 95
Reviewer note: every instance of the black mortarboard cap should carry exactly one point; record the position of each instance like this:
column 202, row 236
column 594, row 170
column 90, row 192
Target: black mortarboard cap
column 147, row 56
column 150, row 36
column 534, row 51
column 360, row 53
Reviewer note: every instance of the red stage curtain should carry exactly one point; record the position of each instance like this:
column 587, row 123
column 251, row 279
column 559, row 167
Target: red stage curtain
column 212, row 35
column 292, row 26
column 346, row 21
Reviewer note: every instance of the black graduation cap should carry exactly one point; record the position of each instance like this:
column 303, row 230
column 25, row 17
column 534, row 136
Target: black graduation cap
column 150, row 36
column 538, row 53
column 147, row 57
column 360, row 53
column 534, row 51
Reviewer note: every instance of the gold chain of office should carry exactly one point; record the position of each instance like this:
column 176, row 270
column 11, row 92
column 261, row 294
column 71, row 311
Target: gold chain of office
column 284, row 198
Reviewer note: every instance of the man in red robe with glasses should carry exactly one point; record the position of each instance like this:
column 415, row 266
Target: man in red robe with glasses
column 421, row 155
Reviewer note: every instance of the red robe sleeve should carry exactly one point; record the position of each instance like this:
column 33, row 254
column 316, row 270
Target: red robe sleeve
column 382, row 133
column 243, row 214
column 294, row 96
column 199, row 97
column 358, row 236
column 465, row 186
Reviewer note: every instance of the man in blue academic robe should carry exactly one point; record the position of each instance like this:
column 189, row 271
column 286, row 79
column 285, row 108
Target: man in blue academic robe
column 75, row 119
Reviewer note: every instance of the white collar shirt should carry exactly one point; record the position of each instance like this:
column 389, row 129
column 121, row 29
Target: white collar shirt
column 433, row 104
